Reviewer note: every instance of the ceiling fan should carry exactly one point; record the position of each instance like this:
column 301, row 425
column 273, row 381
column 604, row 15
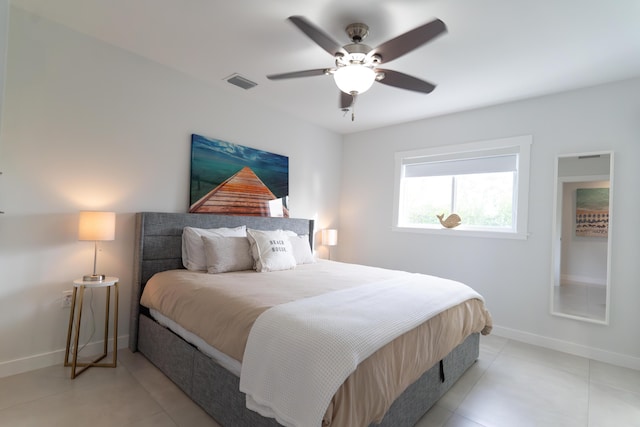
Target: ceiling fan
column 356, row 64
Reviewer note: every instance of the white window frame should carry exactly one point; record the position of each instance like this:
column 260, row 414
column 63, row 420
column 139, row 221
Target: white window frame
column 521, row 145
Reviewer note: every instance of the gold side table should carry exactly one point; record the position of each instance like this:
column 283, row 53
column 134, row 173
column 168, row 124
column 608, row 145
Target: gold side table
column 80, row 285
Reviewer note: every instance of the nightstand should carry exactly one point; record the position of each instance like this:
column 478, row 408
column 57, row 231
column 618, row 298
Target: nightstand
column 79, row 287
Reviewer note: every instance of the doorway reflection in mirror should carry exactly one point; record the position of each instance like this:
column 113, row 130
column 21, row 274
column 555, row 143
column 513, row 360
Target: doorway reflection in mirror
column 581, row 242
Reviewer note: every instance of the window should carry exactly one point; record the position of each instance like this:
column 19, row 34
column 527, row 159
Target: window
column 485, row 183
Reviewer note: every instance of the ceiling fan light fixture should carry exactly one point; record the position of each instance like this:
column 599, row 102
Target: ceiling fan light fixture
column 356, row 78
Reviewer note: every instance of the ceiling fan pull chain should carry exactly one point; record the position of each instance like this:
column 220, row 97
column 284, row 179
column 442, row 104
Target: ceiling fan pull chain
column 353, row 106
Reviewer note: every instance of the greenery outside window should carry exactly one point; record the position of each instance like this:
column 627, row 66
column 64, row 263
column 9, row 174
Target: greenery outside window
column 485, row 183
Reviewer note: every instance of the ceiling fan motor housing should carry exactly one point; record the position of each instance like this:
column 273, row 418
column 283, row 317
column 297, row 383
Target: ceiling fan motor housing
column 357, row 53
column 357, row 32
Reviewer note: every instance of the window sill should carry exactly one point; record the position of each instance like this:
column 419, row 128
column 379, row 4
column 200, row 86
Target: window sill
column 462, row 232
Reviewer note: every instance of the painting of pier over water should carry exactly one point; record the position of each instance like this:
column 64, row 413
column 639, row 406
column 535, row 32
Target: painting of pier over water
column 233, row 179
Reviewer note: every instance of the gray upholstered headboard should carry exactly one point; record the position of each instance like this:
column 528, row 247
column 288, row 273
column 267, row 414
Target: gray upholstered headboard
column 159, row 245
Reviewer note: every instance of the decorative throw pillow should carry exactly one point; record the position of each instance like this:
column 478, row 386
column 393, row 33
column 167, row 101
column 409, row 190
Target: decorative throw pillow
column 301, row 249
column 193, row 256
column 227, row 254
column 271, row 250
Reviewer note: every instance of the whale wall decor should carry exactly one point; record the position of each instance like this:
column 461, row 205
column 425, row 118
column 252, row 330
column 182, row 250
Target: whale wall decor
column 452, row 220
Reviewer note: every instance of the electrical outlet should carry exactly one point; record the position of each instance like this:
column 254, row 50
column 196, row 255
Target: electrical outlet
column 66, row 299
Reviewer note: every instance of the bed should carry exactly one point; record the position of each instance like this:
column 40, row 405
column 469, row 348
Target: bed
column 212, row 383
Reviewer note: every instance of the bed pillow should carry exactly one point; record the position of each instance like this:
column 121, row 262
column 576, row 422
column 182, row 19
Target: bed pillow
column 301, row 249
column 193, row 256
column 271, row 250
column 225, row 254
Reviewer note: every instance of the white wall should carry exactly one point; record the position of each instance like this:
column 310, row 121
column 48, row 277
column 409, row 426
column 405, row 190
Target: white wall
column 513, row 275
column 4, row 43
column 90, row 126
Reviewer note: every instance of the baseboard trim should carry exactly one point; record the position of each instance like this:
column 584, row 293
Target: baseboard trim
column 43, row 360
column 569, row 347
column 582, row 280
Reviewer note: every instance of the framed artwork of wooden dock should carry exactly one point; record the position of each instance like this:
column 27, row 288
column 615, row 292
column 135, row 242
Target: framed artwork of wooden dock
column 233, row 179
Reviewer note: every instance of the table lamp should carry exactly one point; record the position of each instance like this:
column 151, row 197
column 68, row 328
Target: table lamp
column 96, row 226
column 329, row 238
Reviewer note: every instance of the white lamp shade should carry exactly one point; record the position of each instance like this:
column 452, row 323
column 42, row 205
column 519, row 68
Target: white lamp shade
column 97, row 225
column 354, row 78
column 329, row 237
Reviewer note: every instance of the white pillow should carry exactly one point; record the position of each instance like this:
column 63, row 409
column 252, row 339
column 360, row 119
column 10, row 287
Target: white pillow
column 227, row 254
column 301, row 249
column 271, row 250
column 193, row 256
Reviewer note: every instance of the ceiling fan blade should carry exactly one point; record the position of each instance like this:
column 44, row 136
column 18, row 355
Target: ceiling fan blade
column 410, row 40
column 404, row 81
column 294, row 74
column 346, row 100
column 321, row 38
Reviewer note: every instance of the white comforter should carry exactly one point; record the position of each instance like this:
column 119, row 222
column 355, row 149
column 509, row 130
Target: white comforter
column 292, row 376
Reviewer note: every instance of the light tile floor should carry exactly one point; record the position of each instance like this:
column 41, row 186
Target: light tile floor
column 580, row 299
column 512, row 385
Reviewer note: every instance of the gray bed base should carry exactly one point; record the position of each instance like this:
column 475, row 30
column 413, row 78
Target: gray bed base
column 216, row 390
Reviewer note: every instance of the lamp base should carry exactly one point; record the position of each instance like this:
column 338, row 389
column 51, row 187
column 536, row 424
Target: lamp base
column 93, row 277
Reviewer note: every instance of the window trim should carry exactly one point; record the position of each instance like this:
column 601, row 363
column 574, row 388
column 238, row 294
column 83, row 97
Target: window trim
column 522, row 145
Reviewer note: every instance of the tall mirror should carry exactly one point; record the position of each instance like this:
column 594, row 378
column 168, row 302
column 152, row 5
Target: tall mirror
column 582, row 237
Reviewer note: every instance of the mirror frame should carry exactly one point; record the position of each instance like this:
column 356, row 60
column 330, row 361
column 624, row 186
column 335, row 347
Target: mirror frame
column 556, row 231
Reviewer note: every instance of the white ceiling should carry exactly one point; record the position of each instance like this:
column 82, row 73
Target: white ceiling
column 495, row 50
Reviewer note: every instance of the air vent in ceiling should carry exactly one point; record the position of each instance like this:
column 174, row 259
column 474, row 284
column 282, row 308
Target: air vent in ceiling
column 238, row 80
